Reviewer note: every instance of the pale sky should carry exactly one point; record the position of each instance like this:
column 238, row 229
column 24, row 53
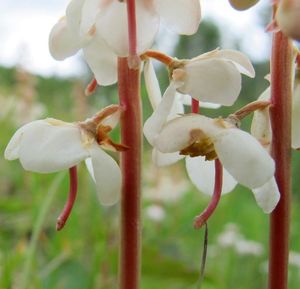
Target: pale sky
column 25, row 26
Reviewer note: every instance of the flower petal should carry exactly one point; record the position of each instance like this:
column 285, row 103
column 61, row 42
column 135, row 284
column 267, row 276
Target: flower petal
column 155, row 122
column 296, row 118
column 176, row 134
column 90, row 9
column 63, row 41
column 112, row 25
column 244, row 157
column 182, row 16
column 73, row 14
column 261, row 125
column 102, row 61
column 12, row 151
column 152, row 84
column 107, row 175
column 267, row 196
column 240, row 60
column 50, row 145
column 202, row 175
column 212, row 80
column 165, row 159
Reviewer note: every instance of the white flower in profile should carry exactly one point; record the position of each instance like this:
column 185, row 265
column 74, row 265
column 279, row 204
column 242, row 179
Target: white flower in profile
column 100, row 28
column 50, row 145
column 213, row 77
column 246, row 161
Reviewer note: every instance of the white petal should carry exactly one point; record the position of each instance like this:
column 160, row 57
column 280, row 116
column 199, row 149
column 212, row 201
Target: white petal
column 112, row 25
column 165, row 159
column 202, row 175
column 73, row 13
column 244, row 157
column 182, row 16
column 261, row 125
column 240, row 60
column 176, row 134
column 90, row 8
column 102, row 61
column 212, row 80
column 296, row 118
column 89, row 166
column 155, row 122
column 107, row 175
column 63, row 41
column 267, row 196
column 12, row 151
column 152, row 84
column 47, row 148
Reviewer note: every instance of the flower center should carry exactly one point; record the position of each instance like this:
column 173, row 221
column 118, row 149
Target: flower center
column 200, row 145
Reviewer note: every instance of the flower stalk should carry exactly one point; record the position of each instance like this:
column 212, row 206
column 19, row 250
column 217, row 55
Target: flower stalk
column 131, row 136
column 280, row 113
column 63, row 217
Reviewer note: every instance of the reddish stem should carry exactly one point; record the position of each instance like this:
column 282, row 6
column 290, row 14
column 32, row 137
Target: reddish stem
column 63, row 217
column 280, row 112
column 131, row 16
column 201, row 219
column 159, row 56
column 91, row 87
column 195, row 105
column 131, row 136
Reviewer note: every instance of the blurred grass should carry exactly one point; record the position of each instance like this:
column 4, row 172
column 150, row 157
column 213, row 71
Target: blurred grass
column 85, row 254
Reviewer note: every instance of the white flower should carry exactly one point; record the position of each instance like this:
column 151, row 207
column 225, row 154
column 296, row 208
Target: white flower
column 241, row 154
column 287, row 18
column 100, row 28
column 51, row 145
column 212, row 77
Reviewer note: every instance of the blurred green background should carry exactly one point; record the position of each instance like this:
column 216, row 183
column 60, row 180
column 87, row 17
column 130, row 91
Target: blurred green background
column 85, row 253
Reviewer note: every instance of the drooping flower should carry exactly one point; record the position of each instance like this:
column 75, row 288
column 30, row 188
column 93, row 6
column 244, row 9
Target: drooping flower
column 213, row 77
column 199, row 137
column 50, row 145
column 99, row 27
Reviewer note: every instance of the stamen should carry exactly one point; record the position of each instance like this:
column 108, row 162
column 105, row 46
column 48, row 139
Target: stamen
column 63, row 217
column 91, row 87
column 201, row 219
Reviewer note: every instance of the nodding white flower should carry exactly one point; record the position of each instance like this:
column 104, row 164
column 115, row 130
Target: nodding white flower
column 212, row 77
column 287, row 18
column 242, row 4
column 199, row 137
column 100, row 28
column 51, row 145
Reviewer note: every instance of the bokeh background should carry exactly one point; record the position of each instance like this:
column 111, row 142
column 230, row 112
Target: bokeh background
column 85, row 253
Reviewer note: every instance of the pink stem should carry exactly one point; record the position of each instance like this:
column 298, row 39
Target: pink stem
column 281, row 90
column 131, row 15
column 63, row 217
column 195, row 105
column 131, row 136
column 201, row 219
